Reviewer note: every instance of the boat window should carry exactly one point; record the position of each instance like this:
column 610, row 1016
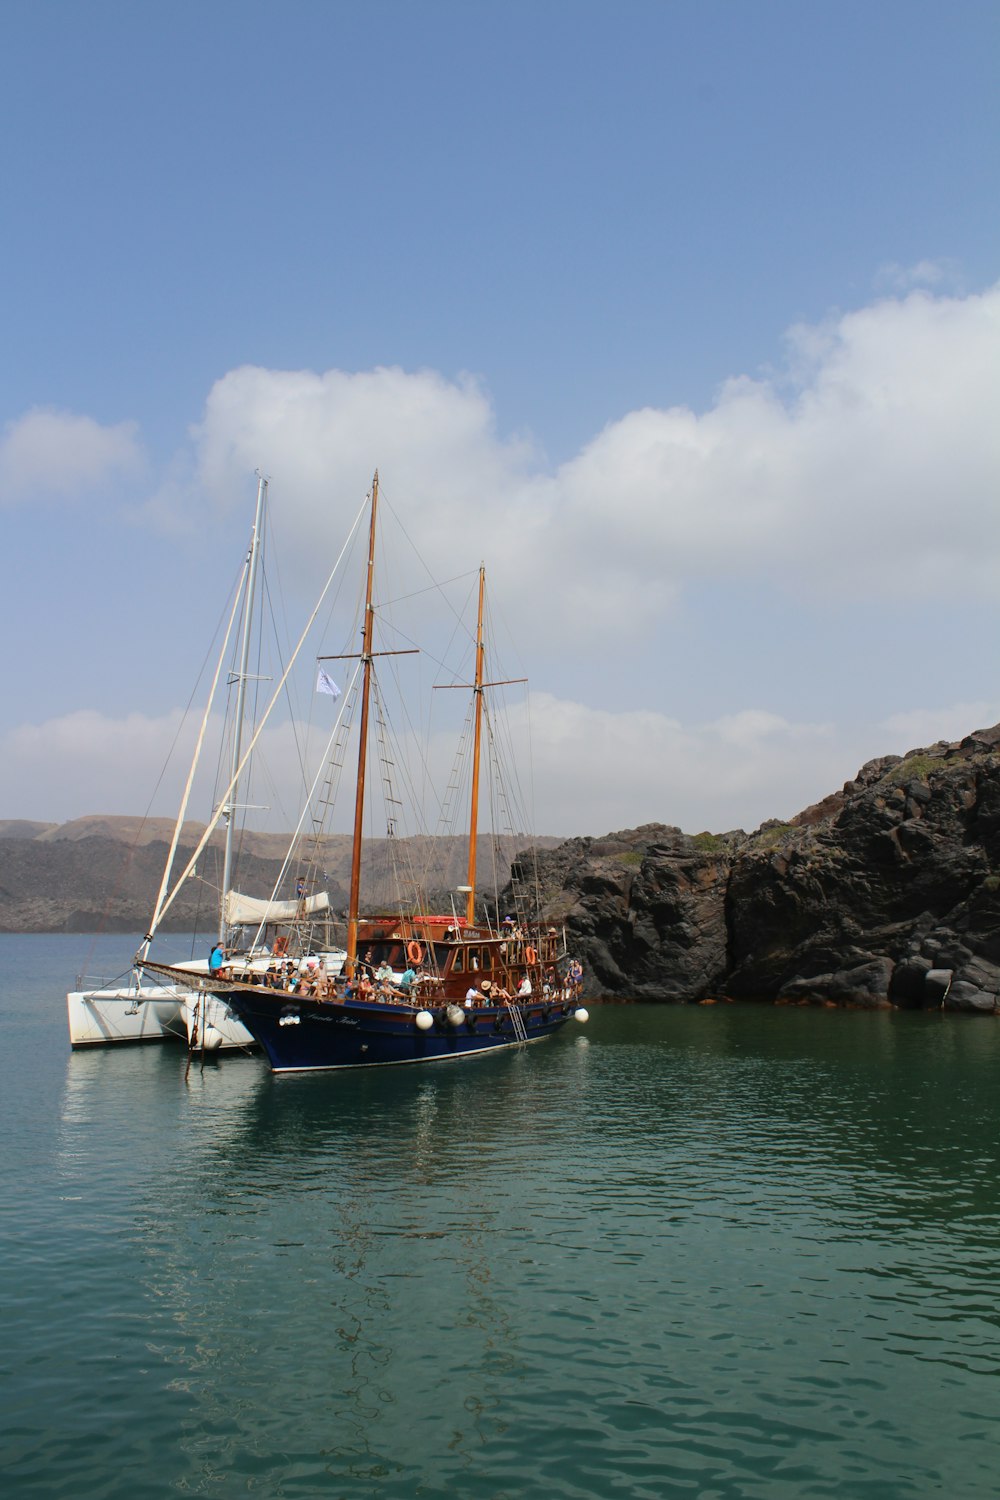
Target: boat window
column 458, row 967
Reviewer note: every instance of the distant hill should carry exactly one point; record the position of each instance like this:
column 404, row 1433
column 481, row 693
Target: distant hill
column 102, row 873
column 19, row 828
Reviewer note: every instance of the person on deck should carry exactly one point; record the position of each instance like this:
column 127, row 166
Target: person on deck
column 524, row 988
column 216, row 960
column 471, row 996
column 407, row 980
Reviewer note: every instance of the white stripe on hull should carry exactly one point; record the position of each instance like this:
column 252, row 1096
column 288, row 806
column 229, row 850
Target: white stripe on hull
column 409, row 1062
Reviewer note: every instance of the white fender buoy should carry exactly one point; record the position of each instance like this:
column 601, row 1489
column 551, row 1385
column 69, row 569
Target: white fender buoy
column 211, row 1039
column 424, row 1020
column 455, row 1015
column 580, row 1014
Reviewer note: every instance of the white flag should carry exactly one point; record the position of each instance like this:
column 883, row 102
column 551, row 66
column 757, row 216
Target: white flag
column 326, row 684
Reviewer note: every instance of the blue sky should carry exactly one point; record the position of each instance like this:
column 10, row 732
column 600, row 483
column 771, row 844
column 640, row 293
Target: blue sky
column 548, row 219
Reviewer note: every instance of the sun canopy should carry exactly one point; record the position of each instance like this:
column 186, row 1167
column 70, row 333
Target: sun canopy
column 244, row 911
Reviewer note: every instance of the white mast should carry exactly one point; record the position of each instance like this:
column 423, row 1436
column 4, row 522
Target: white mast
column 241, row 694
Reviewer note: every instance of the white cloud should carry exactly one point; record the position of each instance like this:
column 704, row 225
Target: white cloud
column 878, row 471
column 871, row 465
column 321, row 436
column 48, row 453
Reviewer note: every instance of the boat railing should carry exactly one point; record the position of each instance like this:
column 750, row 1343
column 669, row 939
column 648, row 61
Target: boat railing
column 90, row 983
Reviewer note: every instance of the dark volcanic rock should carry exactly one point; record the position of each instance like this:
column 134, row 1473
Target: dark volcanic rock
column 865, row 984
column 644, row 909
column 886, row 892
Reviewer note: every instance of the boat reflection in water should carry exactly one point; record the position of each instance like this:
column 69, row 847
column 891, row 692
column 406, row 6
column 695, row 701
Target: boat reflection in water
column 277, row 1203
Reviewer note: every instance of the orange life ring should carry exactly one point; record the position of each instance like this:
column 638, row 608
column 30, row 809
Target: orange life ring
column 530, row 956
column 414, row 951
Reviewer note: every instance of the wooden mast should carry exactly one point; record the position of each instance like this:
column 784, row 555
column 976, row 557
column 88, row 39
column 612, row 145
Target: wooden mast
column 478, row 687
column 359, row 804
column 470, row 900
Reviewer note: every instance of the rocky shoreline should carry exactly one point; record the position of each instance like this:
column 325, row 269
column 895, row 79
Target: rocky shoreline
column 885, row 894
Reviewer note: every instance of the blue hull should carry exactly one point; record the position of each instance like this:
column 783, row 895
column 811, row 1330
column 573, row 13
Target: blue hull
column 301, row 1036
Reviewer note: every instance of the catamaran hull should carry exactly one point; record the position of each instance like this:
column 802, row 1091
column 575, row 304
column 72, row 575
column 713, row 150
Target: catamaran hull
column 100, row 1017
column 305, row 1036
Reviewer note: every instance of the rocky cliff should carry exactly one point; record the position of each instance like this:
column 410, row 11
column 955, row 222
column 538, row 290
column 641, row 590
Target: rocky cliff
column 888, row 892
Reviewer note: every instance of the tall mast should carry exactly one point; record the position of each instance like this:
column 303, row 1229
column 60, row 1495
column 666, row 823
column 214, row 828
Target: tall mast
column 359, row 804
column 479, row 686
column 470, row 900
column 241, row 696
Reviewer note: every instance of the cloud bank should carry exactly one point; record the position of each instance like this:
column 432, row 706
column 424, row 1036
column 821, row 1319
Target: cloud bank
column 593, row 771
column 869, row 463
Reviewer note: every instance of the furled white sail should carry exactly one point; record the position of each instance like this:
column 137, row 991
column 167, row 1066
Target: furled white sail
column 245, row 911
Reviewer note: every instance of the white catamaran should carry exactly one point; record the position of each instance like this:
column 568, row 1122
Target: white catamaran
column 177, row 1006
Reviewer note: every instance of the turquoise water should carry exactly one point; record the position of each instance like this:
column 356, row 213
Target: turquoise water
column 709, row 1252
